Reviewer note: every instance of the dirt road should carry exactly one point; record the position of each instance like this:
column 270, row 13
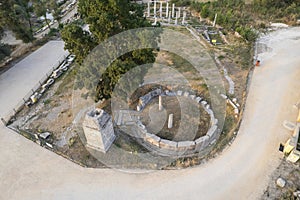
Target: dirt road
column 241, row 172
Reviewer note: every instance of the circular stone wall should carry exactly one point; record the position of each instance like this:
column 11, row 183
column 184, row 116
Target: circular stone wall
column 196, row 119
column 162, row 146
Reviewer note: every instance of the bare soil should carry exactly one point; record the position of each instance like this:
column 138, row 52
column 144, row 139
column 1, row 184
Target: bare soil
column 171, row 105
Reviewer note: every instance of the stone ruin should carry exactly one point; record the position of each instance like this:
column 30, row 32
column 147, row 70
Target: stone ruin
column 98, row 130
column 162, row 146
column 166, row 12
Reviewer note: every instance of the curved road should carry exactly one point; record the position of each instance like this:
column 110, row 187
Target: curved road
column 240, row 172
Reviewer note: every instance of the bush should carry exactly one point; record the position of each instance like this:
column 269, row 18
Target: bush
column 4, row 51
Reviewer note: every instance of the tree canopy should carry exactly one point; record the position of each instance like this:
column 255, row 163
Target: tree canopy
column 106, row 18
column 15, row 15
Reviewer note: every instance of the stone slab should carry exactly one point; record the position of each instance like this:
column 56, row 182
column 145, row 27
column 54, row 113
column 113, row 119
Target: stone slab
column 168, row 144
column 186, row 145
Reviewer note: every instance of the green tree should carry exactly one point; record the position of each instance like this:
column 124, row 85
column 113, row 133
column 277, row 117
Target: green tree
column 77, row 41
column 40, row 8
column 24, row 9
column 105, row 19
column 204, row 11
column 15, row 15
column 4, row 49
column 55, row 9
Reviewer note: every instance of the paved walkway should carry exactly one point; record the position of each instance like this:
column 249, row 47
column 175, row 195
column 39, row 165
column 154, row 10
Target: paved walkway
column 20, row 79
column 241, row 172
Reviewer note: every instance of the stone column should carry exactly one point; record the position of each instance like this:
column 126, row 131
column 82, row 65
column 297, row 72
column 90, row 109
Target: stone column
column 167, row 10
column 160, row 9
column 176, row 19
column 154, row 8
column 170, row 121
column 169, row 19
column 159, row 103
column 155, row 21
column 215, row 20
column 183, row 18
column 149, row 9
column 173, row 10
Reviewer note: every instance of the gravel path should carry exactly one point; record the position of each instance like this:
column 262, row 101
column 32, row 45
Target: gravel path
column 241, row 172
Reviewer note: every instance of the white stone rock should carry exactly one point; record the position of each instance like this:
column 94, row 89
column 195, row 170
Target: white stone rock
column 160, row 107
column 223, row 96
column 186, row 94
column 192, row 96
column 198, row 99
column 203, row 103
column 280, row 182
column 179, row 92
column 289, row 125
column 170, row 121
column 236, row 111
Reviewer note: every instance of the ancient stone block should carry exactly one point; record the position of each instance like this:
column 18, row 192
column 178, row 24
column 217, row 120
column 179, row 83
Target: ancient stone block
column 169, row 93
column 98, row 130
column 186, row 145
column 198, row 99
column 211, row 132
column 223, row 96
column 202, row 142
column 168, row 144
column 186, row 94
column 152, row 139
column 203, row 103
column 192, row 96
column 179, row 92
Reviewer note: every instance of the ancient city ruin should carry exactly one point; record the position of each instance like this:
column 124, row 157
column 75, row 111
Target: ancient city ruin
column 99, row 131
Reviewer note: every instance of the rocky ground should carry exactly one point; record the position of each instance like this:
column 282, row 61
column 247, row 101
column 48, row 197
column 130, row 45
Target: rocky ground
column 291, row 174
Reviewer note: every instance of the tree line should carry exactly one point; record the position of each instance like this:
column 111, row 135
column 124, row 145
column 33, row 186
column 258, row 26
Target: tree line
column 238, row 16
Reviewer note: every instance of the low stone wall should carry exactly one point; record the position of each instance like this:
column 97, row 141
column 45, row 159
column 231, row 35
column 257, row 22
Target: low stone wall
column 144, row 100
